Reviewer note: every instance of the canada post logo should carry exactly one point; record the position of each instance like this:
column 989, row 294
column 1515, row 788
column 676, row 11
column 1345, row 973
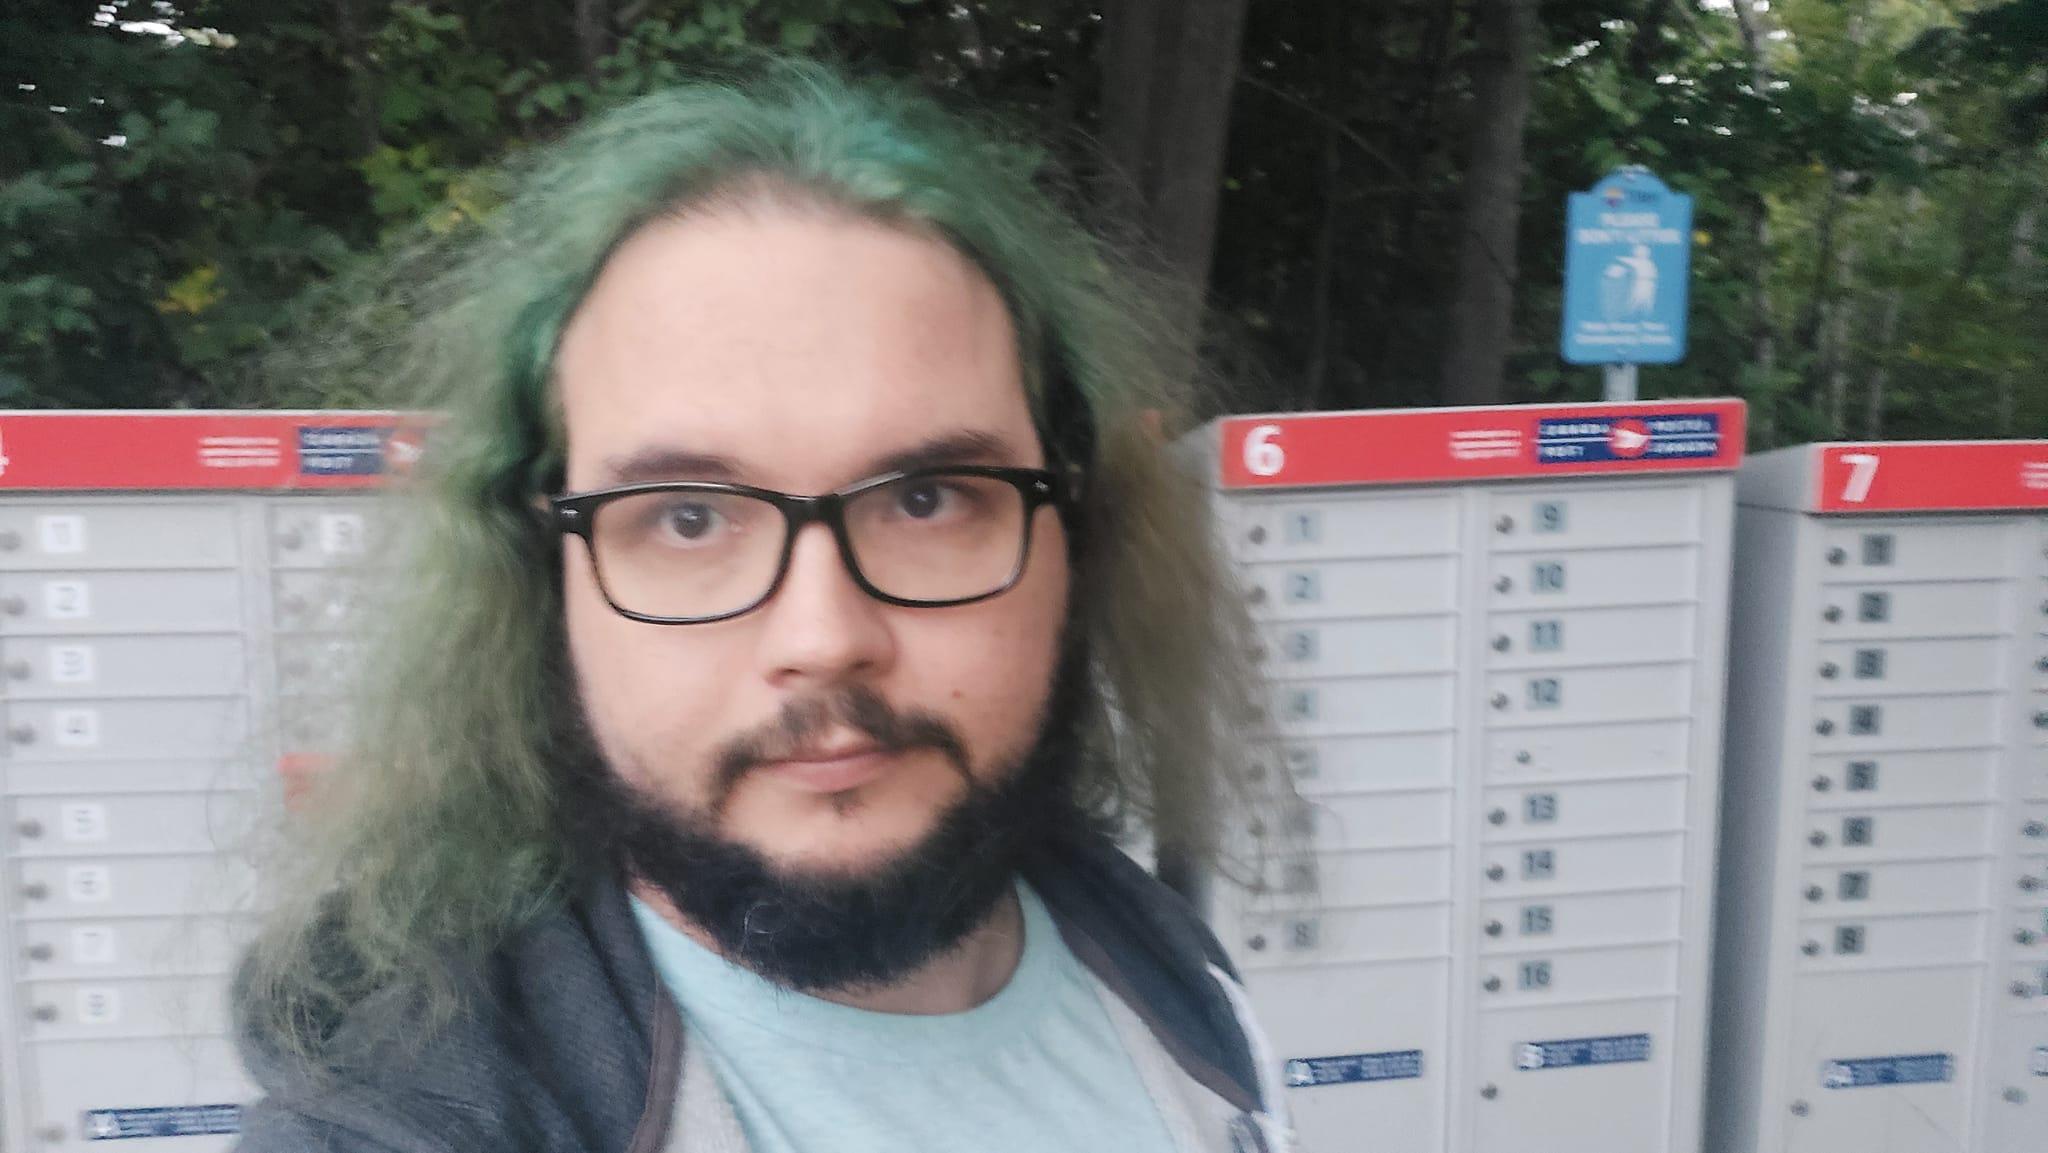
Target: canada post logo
column 1669, row 436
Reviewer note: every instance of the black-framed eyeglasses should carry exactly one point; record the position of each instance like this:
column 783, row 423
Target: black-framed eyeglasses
column 692, row 552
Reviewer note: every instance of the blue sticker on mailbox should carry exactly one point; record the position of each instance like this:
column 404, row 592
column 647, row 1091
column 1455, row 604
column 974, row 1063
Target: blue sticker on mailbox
column 1303, row 1072
column 169, row 1121
column 1670, row 436
column 1862, row 1072
column 1583, row 1051
column 2040, row 1061
column 352, row 451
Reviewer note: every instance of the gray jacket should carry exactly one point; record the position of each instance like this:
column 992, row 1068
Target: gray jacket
column 577, row 1047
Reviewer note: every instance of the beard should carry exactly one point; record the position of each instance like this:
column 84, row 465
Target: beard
column 835, row 930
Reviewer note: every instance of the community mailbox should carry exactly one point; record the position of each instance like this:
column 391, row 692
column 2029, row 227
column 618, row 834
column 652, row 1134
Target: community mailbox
column 1628, row 257
column 1883, row 935
column 171, row 590
column 1494, row 643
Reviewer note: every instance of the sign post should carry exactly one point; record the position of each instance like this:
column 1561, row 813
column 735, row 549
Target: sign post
column 1628, row 259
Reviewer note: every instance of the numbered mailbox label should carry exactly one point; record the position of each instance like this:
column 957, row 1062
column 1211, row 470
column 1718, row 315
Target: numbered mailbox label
column 1302, row 587
column 1848, row 940
column 99, row 1005
column 92, row 945
column 1546, row 636
column 1853, row 885
column 1860, row 777
column 88, row 884
column 1301, row 645
column 342, row 534
column 1533, row 975
column 1869, row 665
column 1545, row 692
column 67, row 600
column 1303, row 762
column 1302, row 527
column 1859, row 832
column 1539, row 864
column 60, row 535
column 1548, row 516
column 83, row 821
column 1538, row 920
column 1300, row 705
column 1877, row 548
column 76, row 728
column 1546, row 576
column 73, row 665
column 1540, row 808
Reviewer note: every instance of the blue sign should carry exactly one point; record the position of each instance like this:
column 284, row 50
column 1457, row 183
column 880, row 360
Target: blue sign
column 342, row 451
column 1921, row 1069
column 1665, row 436
column 1583, row 1051
column 1303, row 1072
column 1627, row 261
column 172, row 1121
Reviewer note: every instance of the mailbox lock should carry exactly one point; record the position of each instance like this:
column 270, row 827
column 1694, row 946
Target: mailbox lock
column 1502, row 644
column 1830, row 670
column 1256, row 595
column 1493, row 928
column 22, row 734
column 1811, row 948
column 20, row 670
column 1257, row 944
column 36, row 891
column 1838, row 556
column 10, row 540
column 2015, row 1096
column 2024, row 936
column 1833, row 614
column 2041, row 720
column 41, row 952
column 291, row 539
column 2035, row 829
column 1817, row 839
column 1504, row 524
column 13, row 606
column 2042, row 664
column 1824, row 727
column 46, row 1013
column 1822, row 784
column 1493, row 984
column 1497, row 817
column 1523, row 757
column 1500, row 700
column 1504, row 585
column 30, row 829
column 51, row 1133
column 1489, row 1091
column 1801, row 1108
column 2030, row 883
column 1496, row 873
column 1815, row 893
column 1257, row 535
column 2022, row 989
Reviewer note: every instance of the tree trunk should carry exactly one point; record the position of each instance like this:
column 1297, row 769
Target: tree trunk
column 1881, row 369
column 2020, row 272
column 1482, row 314
column 593, row 34
column 1840, row 321
column 1763, row 326
column 1169, row 70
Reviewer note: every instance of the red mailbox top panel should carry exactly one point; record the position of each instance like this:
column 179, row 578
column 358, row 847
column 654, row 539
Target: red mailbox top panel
column 1409, row 446
column 1930, row 476
column 205, row 450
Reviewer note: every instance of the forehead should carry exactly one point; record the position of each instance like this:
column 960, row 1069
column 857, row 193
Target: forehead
column 798, row 348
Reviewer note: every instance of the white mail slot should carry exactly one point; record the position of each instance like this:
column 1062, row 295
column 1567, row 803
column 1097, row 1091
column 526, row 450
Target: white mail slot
column 130, row 535
column 1306, row 528
column 101, row 603
column 1588, row 696
column 317, row 601
column 1590, row 637
column 1586, row 809
column 1332, row 707
column 1597, row 579
column 1381, row 820
column 1321, row 935
column 1360, row 764
column 40, row 668
column 1862, row 724
column 1948, row 609
column 1583, row 517
column 1573, row 922
column 1515, row 756
column 1372, row 647
column 155, row 823
column 132, row 886
column 1322, row 590
column 74, row 1080
column 1351, row 877
column 1321, row 1013
column 1883, row 888
column 1846, row 668
column 1948, row 831
column 1929, row 1012
column 322, row 533
column 2019, row 1056
column 116, row 729
column 1945, row 550
column 1914, row 939
column 1595, row 866
column 133, row 947
column 1851, row 780
column 1610, row 972
column 103, row 778
column 88, row 1010
column 1619, row 1106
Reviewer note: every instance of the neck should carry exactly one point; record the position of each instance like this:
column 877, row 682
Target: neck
column 965, row 976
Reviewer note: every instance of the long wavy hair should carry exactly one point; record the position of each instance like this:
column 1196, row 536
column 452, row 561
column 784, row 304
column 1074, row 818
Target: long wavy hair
column 437, row 833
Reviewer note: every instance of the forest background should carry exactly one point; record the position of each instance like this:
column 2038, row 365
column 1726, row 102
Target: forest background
column 1372, row 192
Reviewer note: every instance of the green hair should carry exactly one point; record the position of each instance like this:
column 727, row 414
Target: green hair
column 436, row 835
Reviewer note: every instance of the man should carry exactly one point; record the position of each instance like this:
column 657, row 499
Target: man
column 795, row 594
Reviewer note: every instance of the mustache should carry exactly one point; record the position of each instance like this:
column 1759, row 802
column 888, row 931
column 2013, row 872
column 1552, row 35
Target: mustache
column 802, row 719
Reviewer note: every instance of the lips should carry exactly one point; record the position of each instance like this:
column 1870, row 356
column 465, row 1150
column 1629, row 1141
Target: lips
column 830, row 768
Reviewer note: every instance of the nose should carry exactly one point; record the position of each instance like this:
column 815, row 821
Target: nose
column 820, row 629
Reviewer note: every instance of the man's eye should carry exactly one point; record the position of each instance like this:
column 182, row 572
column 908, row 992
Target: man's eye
column 690, row 520
column 923, row 500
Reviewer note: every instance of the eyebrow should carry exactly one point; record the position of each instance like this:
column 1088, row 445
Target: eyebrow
column 965, row 446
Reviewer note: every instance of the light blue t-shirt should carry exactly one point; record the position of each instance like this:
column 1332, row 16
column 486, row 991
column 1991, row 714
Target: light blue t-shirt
column 1038, row 1068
